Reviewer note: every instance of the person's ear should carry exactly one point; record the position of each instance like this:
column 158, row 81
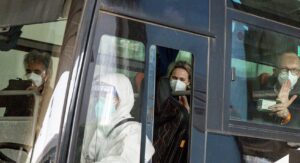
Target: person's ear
column 188, row 82
column 45, row 76
column 188, row 85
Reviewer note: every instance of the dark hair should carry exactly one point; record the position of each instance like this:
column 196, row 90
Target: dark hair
column 35, row 56
column 183, row 65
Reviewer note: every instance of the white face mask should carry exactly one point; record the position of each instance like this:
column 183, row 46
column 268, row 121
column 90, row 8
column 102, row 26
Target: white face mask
column 177, row 85
column 283, row 76
column 36, row 79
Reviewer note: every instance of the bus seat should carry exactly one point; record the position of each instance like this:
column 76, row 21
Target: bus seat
column 139, row 77
column 16, row 134
column 138, row 95
column 263, row 79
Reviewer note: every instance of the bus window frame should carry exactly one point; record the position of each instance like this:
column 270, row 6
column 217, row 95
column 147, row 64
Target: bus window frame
column 259, row 12
column 139, row 10
column 246, row 128
column 197, row 44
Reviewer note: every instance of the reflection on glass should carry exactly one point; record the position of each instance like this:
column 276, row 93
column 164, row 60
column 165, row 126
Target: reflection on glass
column 172, row 105
column 171, row 12
column 267, row 68
column 277, row 10
column 26, row 88
column 18, row 125
column 112, row 131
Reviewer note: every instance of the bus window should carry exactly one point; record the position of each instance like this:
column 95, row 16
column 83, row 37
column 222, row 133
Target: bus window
column 164, row 12
column 172, row 105
column 265, row 89
column 275, row 10
column 28, row 64
column 112, row 129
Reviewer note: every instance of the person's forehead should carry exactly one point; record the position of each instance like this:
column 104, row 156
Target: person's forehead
column 180, row 71
column 290, row 61
column 35, row 66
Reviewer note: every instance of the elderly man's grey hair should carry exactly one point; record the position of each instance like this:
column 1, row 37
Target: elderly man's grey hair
column 35, row 56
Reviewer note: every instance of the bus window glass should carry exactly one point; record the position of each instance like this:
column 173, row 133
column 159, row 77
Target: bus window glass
column 28, row 65
column 171, row 12
column 265, row 87
column 172, row 105
column 112, row 128
column 277, row 10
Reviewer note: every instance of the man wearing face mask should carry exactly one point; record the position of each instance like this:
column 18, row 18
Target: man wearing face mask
column 172, row 115
column 288, row 73
column 37, row 67
column 284, row 83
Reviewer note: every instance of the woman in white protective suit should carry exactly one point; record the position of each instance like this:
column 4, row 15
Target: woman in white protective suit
column 117, row 138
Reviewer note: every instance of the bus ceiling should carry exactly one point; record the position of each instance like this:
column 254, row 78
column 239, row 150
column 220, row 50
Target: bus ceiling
column 21, row 12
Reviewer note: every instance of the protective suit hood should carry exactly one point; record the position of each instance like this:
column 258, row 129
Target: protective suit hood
column 123, row 144
column 125, row 93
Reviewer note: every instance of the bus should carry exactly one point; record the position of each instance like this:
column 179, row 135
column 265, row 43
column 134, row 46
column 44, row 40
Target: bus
column 240, row 99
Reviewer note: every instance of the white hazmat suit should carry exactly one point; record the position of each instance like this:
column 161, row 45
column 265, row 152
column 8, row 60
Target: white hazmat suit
column 124, row 143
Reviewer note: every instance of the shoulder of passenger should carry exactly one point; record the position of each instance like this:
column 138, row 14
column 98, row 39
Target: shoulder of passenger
column 131, row 127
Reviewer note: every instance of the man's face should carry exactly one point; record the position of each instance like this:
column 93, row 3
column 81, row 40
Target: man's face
column 290, row 63
column 180, row 74
column 288, row 68
column 37, row 68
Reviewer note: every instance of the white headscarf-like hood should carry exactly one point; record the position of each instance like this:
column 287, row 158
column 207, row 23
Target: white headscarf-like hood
column 125, row 145
column 125, row 94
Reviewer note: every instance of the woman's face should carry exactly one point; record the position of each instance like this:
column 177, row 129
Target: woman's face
column 180, row 74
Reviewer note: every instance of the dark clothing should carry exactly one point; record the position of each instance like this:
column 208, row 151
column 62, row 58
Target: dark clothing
column 263, row 148
column 17, row 105
column 171, row 133
column 272, row 88
column 21, row 105
column 171, row 126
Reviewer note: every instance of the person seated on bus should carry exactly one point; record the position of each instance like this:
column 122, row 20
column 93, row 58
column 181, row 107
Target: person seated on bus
column 284, row 83
column 118, row 136
column 178, row 80
column 37, row 66
column 285, row 86
column 171, row 121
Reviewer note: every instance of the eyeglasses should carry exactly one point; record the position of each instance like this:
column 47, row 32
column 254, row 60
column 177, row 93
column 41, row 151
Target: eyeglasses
column 293, row 71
